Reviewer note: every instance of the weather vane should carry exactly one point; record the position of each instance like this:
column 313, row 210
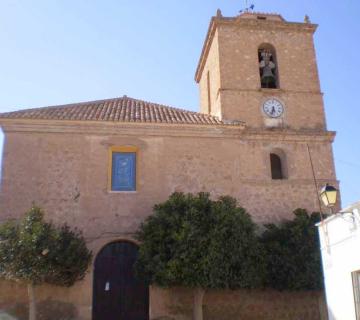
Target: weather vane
column 247, row 7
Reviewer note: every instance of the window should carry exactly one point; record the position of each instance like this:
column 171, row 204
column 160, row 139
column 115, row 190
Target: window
column 268, row 67
column 122, row 169
column 356, row 287
column 276, row 167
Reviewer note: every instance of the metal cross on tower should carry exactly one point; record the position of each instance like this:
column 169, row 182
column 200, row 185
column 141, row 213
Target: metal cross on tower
column 247, row 7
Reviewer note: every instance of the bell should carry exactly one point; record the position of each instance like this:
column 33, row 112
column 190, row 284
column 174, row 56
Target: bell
column 268, row 78
column 267, row 72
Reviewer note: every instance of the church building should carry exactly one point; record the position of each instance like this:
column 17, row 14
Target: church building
column 260, row 136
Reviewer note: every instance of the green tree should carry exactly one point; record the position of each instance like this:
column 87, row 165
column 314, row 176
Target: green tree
column 196, row 242
column 292, row 253
column 34, row 252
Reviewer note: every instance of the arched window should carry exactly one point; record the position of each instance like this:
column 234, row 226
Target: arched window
column 276, row 167
column 268, row 67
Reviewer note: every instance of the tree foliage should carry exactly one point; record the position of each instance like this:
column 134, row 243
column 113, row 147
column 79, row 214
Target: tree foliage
column 35, row 251
column 293, row 260
column 193, row 241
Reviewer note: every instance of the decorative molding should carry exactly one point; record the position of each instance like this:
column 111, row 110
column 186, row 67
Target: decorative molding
column 282, row 182
column 271, row 91
column 119, row 128
column 236, row 131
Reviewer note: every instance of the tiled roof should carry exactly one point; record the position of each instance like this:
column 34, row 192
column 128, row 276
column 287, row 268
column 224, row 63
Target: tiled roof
column 122, row 109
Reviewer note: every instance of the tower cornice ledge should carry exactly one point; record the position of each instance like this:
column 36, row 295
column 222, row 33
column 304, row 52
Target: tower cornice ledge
column 271, row 91
column 305, row 135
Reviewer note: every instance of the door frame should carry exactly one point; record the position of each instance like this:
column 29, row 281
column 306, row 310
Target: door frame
column 119, row 240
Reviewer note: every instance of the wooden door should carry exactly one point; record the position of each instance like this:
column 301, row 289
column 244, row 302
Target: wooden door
column 117, row 294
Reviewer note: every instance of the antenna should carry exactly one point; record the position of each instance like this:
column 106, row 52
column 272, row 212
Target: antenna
column 247, row 7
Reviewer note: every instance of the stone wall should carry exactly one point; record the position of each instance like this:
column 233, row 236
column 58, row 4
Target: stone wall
column 56, row 303
column 66, row 173
column 212, row 67
column 53, row 303
column 231, row 59
column 243, row 305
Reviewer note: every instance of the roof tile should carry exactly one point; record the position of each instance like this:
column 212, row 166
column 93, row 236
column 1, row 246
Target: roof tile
column 122, row 109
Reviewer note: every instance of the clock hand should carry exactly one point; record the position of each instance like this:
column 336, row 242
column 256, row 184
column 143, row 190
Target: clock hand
column 273, row 110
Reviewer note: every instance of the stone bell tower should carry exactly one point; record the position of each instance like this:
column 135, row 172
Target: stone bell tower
column 261, row 69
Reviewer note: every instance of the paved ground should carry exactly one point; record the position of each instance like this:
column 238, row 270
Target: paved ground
column 6, row 316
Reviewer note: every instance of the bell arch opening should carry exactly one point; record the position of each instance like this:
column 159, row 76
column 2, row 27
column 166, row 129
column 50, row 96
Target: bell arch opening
column 268, row 67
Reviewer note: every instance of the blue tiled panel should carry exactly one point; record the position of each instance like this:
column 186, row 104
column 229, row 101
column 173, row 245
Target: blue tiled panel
column 123, row 171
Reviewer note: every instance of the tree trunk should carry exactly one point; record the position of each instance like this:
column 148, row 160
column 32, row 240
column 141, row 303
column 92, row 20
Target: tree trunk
column 32, row 301
column 198, row 304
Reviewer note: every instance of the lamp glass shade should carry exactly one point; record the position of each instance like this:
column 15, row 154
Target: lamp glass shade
column 328, row 196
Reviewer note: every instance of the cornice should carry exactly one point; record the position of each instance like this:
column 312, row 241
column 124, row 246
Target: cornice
column 238, row 131
column 289, row 182
column 272, row 91
column 288, row 135
column 249, row 24
column 269, row 24
column 116, row 128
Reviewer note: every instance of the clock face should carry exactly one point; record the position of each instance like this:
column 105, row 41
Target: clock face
column 273, row 108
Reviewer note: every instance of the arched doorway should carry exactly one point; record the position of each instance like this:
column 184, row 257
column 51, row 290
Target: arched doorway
column 117, row 294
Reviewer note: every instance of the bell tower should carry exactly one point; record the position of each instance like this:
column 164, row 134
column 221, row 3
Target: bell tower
column 261, row 69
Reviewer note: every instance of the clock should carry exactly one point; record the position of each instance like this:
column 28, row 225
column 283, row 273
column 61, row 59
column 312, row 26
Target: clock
column 273, row 108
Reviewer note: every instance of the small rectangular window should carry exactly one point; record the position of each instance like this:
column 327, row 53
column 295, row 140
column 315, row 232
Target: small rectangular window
column 123, row 169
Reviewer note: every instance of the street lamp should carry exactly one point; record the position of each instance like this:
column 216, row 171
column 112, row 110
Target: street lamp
column 328, row 195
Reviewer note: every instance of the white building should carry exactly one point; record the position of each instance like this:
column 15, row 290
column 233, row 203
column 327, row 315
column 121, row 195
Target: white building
column 340, row 250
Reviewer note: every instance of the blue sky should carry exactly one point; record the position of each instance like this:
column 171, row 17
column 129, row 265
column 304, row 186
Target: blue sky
column 62, row 51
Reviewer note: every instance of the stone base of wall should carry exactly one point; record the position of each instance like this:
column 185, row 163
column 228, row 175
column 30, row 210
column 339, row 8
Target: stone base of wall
column 169, row 304
column 52, row 302
column 176, row 304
